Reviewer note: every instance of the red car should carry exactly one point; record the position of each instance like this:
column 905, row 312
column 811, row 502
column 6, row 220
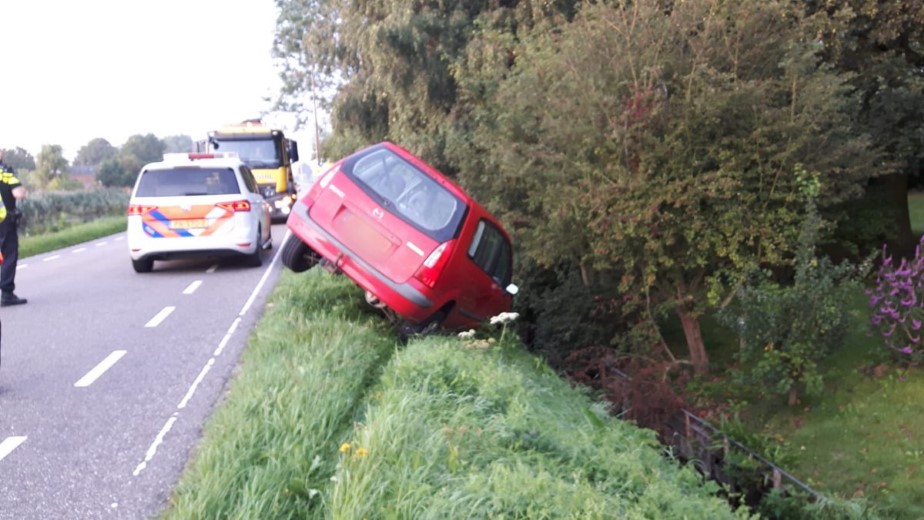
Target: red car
column 424, row 251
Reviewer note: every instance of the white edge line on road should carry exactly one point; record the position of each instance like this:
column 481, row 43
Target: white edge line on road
column 9, row 444
column 266, row 273
column 79, row 250
column 21, row 266
column 192, row 287
column 224, row 341
column 100, row 369
column 199, row 378
column 153, row 449
column 100, row 244
column 50, row 258
column 161, row 316
column 208, row 366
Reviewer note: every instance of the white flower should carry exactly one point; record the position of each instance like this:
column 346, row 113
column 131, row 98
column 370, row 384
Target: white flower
column 504, row 317
column 467, row 334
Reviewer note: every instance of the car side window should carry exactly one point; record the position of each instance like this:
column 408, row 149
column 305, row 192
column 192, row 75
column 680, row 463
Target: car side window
column 491, row 251
column 249, row 180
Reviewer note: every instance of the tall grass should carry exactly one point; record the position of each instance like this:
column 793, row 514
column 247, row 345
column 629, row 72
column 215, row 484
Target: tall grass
column 271, row 448
column 453, row 431
column 75, row 234
column 330, row 418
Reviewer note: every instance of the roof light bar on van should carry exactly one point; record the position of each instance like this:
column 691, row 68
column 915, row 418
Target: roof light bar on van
column 192, row 156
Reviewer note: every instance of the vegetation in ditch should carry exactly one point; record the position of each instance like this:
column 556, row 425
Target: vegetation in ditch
column 329, row 417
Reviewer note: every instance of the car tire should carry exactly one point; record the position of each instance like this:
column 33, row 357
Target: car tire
column 297, row 256
column 145, row 265
column 255, row 259
column 429, row 326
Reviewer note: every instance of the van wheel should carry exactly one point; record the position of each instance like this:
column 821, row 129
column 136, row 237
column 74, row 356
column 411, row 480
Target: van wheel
column 255, row 259
column 145, row 265
column 297, row 256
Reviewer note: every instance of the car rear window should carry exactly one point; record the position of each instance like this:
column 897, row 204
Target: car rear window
column 407, row 192
column 187, row 182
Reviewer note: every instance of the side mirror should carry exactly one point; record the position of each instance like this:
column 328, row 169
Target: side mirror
column 512, row 289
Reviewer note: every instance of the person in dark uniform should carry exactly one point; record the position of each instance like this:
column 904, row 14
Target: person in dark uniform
column 11, row 190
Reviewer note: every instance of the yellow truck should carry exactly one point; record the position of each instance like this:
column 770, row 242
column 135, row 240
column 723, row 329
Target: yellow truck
column 268, row 153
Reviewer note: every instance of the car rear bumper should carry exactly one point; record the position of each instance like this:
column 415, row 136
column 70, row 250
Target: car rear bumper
column 409, row 301
column 141, row 246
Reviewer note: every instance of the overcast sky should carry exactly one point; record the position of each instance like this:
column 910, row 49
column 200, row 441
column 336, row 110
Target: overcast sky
column 75, row 70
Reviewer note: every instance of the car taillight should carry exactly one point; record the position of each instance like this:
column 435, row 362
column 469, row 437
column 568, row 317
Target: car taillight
column 433, row 266
column 140, row 209
column 238, row 205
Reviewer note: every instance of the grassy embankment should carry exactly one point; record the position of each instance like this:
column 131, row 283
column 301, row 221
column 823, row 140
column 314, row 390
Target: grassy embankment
column 329, row 417
column 38, row 244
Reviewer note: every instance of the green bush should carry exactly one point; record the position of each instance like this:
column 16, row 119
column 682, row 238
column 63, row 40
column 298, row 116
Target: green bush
column 56, row 210
column 786, row 330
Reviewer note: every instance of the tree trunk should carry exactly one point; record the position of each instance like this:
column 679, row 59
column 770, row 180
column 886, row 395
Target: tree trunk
column 895, row 191
column 793, row 395
column 694, row 336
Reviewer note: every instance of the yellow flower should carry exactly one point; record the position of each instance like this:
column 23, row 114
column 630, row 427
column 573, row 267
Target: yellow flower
column 345, row 447
column 361, row 452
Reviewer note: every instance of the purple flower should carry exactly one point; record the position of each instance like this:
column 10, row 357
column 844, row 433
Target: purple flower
column 906, row 350
column 915, row 324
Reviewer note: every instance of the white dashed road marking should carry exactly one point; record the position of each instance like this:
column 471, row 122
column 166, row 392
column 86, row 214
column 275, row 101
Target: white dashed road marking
column 100, row 369
column 50, row 258
column 9, row 444
column 208, row 365
column 192, row 287
column 80, row 250
column 161, row 316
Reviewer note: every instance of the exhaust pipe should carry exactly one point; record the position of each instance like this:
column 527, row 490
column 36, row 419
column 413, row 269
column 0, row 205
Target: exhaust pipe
column 374, row 301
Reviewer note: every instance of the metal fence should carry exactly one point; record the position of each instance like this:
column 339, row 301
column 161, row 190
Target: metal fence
column 694, row 439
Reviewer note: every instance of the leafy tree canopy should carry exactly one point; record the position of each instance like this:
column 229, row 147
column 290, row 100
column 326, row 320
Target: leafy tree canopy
column 664, row 147
column 18, row 159
column 178, row 143
column 95, row 152
column 144, row 148
column 49, row 166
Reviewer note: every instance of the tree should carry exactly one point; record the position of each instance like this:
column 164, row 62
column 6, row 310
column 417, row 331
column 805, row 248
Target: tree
column 118, row 172
column 660, row 146
column 19, row 159
column 50, row 166
column 95, row 152
column 399, row 63
column 144, row 148
column 178, row 144
column 880, row 45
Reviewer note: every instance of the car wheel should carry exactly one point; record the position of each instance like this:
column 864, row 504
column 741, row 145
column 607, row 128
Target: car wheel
column 429, row 326
column 145, row 265
column 255, row 259
column 297, row 256
column 269, row 239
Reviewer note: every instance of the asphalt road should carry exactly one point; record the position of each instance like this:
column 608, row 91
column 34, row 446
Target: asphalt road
column 107, row 376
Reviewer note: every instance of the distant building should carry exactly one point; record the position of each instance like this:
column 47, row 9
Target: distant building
column 85, row 175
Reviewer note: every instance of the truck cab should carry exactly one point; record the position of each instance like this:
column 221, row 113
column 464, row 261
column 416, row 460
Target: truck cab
column 268, row 153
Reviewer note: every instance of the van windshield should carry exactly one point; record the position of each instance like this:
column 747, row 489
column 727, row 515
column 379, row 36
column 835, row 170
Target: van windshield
column 187, row 181
column 407, row 192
